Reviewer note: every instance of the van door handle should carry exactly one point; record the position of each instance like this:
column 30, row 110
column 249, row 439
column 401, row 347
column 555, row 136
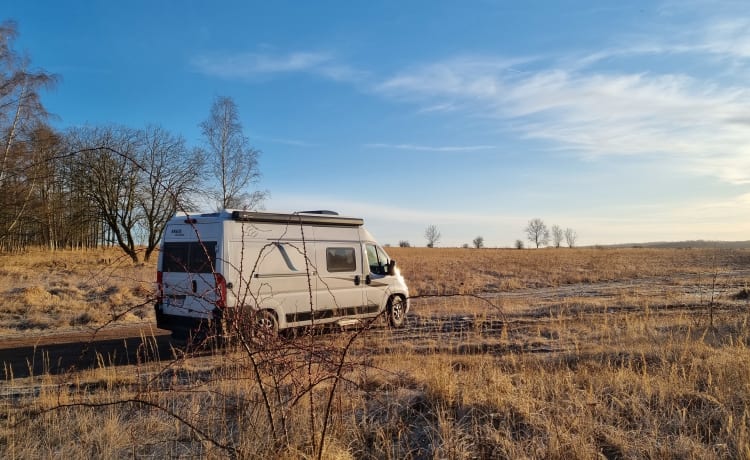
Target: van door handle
column 367, row 279
column 195, row 286
column 356, row 280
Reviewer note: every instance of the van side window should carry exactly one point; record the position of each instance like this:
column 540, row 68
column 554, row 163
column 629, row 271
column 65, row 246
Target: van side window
column 194, row 257
column 340, row 260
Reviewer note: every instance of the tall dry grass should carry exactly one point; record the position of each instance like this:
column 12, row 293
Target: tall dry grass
column 627, row 375
column 49, row 290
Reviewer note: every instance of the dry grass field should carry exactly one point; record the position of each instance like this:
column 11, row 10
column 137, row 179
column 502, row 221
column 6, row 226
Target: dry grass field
column 45, row 291
column 584, row 353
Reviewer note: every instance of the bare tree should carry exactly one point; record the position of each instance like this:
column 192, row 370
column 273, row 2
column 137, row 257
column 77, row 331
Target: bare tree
column 404, row 244
column 45, row 223
column 231, row 158
column 21, row 113
column 169, row 172
column 537, row 233
column 478, row 242
column 135, row 179
column 557, row 235
column 519, row 244
column 432, row 235
column 110, row 179
column 570, row 237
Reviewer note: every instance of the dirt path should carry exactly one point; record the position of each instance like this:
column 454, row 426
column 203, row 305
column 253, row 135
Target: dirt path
column 61, row 352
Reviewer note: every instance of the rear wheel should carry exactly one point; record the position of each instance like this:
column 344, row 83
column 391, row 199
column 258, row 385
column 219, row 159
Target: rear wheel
column 396, row 311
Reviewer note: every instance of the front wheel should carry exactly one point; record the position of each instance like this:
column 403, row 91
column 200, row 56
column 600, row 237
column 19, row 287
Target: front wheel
column 257, row 325
column 396, row 311
column 266, row 324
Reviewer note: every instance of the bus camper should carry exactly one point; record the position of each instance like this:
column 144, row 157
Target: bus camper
column 283, row 270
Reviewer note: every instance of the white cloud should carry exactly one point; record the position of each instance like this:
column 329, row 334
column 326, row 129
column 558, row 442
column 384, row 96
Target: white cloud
column 695, row 117
column 430, row 148
column 284, row 141
column 723, row 39
column 692, row 119
column 248, row 65
column 728, row 37
column 386, row 212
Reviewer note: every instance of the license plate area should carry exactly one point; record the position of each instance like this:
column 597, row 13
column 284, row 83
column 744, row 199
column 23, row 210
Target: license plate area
column 176, row 301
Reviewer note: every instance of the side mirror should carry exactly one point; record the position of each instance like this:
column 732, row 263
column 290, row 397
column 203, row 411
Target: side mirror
column 391, row 268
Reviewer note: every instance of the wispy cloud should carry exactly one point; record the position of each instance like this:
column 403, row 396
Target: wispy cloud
column 250, row 65
column 724, row 39
column 430, row 148
column 386, row 212
column 727, row 37
column 281, row 140
column 692, row 118
column 593, row 104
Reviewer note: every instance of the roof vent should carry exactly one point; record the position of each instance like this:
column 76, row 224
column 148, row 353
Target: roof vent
column 321, row 211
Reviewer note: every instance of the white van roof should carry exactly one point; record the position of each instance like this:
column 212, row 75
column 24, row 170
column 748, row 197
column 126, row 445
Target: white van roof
column 308, row 217
column 322, row 217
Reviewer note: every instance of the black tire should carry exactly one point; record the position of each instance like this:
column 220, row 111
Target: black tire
column 257, row 326
column 396, row 310
column 266, row 324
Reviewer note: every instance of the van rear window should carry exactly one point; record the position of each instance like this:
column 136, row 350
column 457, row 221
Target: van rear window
column 195, row 257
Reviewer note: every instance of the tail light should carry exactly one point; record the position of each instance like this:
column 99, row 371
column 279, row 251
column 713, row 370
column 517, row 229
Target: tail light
column 221, row 291
column 159, row 287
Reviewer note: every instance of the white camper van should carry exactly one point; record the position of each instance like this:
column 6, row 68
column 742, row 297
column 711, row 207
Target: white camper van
column 287, row 269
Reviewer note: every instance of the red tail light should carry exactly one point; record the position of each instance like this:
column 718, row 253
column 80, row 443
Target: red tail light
column 221, row 291
column 159, row 286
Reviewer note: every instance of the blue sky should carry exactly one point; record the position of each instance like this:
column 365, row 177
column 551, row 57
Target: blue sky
column 626, row 121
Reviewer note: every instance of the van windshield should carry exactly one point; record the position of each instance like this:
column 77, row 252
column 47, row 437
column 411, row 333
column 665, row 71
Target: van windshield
column 194, row 257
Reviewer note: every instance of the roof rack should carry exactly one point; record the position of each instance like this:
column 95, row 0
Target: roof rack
column 309, row 218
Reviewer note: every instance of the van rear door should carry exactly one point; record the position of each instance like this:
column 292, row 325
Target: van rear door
column 189, row 278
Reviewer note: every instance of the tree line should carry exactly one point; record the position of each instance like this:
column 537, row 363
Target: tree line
column 536, row 232
column 108, row 185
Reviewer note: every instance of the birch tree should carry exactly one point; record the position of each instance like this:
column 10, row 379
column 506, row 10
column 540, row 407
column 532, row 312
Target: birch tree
column 21, row 112
column 557, row 235
column 571, row 237
column 232, row 161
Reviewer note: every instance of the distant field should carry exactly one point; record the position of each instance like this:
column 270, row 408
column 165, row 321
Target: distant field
column 555, row 353
column 692, row 244
column 46, row 291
